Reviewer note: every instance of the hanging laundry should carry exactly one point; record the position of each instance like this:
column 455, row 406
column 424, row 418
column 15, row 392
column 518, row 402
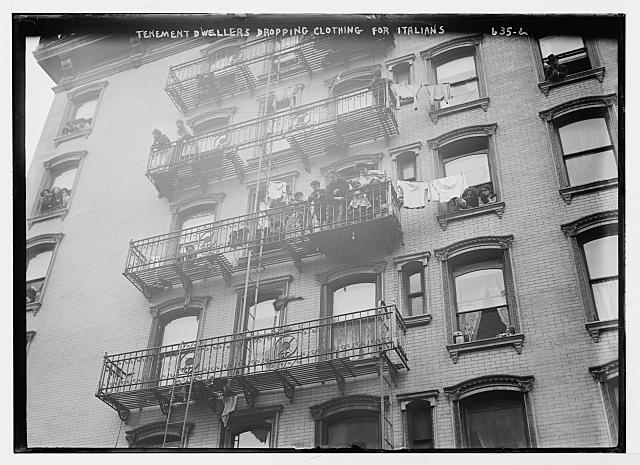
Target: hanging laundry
column 406, row 91
column 229, row 402
column 445, row 189
column 276, row 190
column 413, row 193
column 439, row 92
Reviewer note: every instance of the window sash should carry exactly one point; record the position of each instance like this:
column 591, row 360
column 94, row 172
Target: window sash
column 495, row 423
column 475, row 167
column 561, row 46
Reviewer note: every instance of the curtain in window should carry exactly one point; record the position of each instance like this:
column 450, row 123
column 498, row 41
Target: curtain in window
column 353, row 335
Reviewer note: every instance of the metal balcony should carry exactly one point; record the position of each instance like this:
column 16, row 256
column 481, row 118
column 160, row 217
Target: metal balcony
column 284, row 357
column 335, row 227
column 358, row 116
column 238, row 68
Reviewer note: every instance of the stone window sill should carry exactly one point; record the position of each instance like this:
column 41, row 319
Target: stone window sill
column 405, row 101
column 597, row 73
column 67, row 137
column 595, row 327
column 47, row 216
column 515, row 340
column 445, row 218
column 479, row 103
column 568, row 192
column 417, row 320
column 34, row 307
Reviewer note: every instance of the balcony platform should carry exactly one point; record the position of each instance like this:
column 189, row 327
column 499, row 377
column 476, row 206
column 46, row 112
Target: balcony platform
column 358, row 116
column 285, row 234
column 233, row 70
column 332, row 349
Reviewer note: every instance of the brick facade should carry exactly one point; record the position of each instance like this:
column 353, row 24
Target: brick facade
column 89, row 308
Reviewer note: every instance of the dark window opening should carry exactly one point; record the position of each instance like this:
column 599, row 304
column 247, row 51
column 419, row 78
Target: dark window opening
column 360, row 431
column 420, row 425
column 407, row 170
column 402, row 73
column 562, row 56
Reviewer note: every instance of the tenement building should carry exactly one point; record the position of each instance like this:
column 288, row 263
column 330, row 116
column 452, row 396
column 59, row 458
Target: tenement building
column 384, row 241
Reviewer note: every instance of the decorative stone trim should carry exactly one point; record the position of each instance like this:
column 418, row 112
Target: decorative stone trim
column 417, row 320
column 349, row 269
column 269, row 282
column 67, row 137
column 219, row 113
column 597, row 101
column 62, row 213
column 445, row 218
column 476, row 243
column 456, row 134
column 465, row 389
column 351, row 161
column 483, row 103
column 595, row 327
column 590, row 221
column 410, row 257
column 341, row 404
column 413, row 147
column 601, row 373
column 157, row 429
column 197, row 302
column 350, row 74
column 597, row 73
column 390, row 64
column 405, row 399
column 568, row 192
column 515, row 340
column 450, row 45
column 177, row 207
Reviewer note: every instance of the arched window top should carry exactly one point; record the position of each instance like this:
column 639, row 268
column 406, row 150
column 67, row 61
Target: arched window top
column 218, row 117
column 349, row 272
column 175, row 308
column 43, row 240
column 196, row 202
column 352, row 79
column 488, row 383
column 580, row 104
column 146, row 435
column 70, row 158
column 450, row 45
column 341, row 405
column 372, row 159
column 225, row 43
column 483, row 130
column 590, row 222
column 472, row 245
column 88, row 92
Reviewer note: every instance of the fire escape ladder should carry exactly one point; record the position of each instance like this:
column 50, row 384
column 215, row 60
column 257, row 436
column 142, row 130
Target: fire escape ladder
column 387, row 384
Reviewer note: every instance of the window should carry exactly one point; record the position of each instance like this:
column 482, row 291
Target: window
column 419, row 424
column 494, row 420
column 469, row 151
column 565, row 59
column 289, row 180
column 402, row 73
column 353, row 89
column 493, row 412
column 458, row 64
column 607, row 375
column 411, row 284
column 30, row 336
column 79, row 117
column 152, row 435
column 583, row 141
column 479, row 295
column 193, row 223
column 287, row 57
column 57, row 187
column 587, row 150
column 594, row 245
column 350, row 421
column 40, row 254
column 407, row 170
column 255, row 428
column 172, row 325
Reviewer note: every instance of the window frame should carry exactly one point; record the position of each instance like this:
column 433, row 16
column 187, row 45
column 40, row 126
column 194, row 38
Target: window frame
column 447, row 51
column 421, row 258
column 603, row 374
column 594, row 223
column 289, row 178
column 218, row 114
column 342, row 408
column 74, row 100
column 242, row 420
column 601, row 106
column 471, row 249
column 34, row 244
column 496, row 383
column 51, row 168
column 438, row 143
column 406, row 400
column 596, row 71
column 157, row 429
column 406, row 60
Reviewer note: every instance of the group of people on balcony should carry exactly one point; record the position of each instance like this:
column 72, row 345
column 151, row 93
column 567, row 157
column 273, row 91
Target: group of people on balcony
column 54, row 199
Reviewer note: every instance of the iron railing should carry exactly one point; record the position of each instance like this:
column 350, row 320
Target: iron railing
column 236, row 68
column 358, row 336
column 281, row 126
column 231, row 238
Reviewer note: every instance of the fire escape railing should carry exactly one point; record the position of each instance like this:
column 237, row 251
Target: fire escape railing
column 229, row 239
column 282, row 125
column 355, row 336
column 235, row 68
